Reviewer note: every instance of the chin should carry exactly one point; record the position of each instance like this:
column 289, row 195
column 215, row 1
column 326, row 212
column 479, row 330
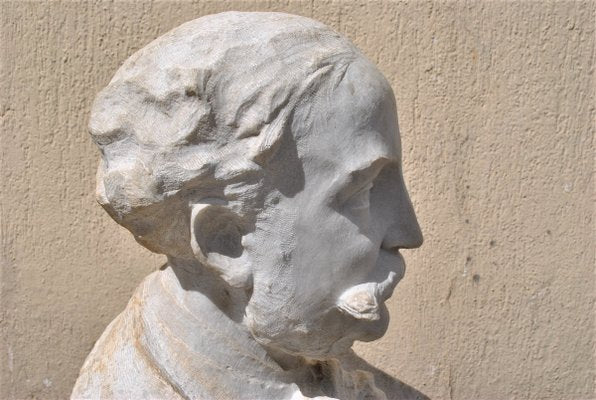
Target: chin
column 328, row 337
column 373, row 330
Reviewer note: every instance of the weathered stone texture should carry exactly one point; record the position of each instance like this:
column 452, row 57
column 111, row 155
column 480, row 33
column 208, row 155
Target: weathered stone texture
column 496, row 106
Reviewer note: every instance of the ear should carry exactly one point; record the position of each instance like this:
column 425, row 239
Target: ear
column 216, row 241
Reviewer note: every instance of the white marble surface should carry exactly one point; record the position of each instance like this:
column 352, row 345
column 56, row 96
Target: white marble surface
column 260, row 152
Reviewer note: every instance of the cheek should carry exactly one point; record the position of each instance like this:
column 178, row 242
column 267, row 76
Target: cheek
column 332, row 252
column 299, row 279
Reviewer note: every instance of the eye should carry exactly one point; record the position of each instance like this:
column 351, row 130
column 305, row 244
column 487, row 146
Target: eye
column 360, row 201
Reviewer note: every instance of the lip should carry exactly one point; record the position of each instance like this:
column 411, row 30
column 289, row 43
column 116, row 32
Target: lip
column 362, row 301
column 384, row 290
column 397, row 269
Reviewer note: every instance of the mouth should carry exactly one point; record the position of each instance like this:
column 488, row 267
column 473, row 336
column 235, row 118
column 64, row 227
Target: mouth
column 363, row 301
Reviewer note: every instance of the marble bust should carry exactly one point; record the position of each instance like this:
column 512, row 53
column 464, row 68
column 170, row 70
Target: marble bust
column 260, row 153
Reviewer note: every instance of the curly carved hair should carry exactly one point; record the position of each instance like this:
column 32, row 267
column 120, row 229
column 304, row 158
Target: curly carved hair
column 200, row 111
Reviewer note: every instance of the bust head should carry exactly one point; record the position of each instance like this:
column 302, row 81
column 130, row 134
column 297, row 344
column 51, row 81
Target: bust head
column 264, row 148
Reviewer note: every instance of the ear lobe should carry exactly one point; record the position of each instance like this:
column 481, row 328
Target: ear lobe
column 216, row 240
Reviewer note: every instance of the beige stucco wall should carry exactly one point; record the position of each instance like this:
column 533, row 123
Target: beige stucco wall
column 496, row 103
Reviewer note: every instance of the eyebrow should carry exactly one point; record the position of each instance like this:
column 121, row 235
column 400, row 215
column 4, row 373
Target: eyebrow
column 371, row 166
column 361, row 176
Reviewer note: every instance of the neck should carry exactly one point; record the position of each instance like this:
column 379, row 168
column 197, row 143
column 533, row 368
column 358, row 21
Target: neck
column 191, row 313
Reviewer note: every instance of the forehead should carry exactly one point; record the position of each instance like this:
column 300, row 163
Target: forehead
column 356, row 123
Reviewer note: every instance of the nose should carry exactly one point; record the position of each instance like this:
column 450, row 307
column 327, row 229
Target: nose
column 403, row 231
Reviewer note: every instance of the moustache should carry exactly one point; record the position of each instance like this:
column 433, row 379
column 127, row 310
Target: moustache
column 363, row 301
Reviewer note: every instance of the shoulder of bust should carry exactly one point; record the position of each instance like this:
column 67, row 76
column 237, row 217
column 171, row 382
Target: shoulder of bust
column 118, row 366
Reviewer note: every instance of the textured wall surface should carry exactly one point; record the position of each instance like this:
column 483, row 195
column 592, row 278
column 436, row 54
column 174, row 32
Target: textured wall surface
column 496, row 103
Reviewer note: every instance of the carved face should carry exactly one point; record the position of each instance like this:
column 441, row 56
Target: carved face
column 326, row 258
